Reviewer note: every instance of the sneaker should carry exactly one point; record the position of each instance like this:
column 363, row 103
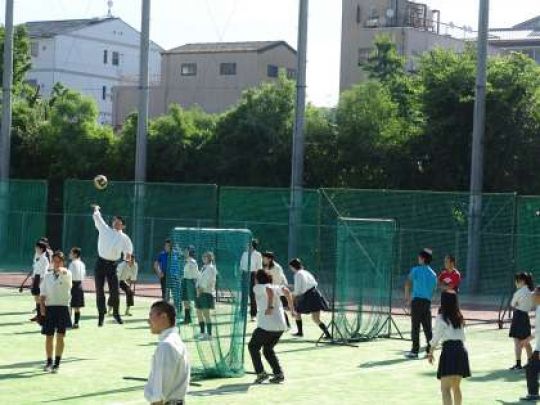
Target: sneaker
column 75, row 326
column 261, row 378
column 118, row 319
column 277, row 379
column 34, row 319
column 530, row 398
column 411, row 355
column 203, row 336
column 516, row 367
column 54, row 369
column 48, row 368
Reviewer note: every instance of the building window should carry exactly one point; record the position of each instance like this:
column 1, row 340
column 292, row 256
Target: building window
column 115, row 59
column 363, row 55
column 104, row 93
column 188, row 69
column 227, row 69
column 272, row 71
column 34, row 49
column 358, row 14
column 291, row 73
column 105, row 57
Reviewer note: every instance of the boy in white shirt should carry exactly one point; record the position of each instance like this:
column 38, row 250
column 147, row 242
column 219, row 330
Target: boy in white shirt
column 54, row 308
column 250, row 262
column 78, row 273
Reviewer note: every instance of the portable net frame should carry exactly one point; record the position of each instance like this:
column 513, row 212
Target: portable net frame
column 223, row 354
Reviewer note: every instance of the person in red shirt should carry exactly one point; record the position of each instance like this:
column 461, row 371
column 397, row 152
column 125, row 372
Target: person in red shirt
column 450, row 278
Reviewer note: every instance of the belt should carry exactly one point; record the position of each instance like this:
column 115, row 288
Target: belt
column 174, row 402
column 107, row 261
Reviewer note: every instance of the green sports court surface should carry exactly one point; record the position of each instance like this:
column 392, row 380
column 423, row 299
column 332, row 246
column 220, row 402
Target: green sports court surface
column 108, row 366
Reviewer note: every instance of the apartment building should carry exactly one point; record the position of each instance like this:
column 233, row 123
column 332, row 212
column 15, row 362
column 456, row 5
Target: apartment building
column 523, row 37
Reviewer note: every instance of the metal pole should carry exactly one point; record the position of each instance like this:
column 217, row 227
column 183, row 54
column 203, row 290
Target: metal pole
column 142, row 130
column 297, row 163
column 477, row 161
column 7, row 83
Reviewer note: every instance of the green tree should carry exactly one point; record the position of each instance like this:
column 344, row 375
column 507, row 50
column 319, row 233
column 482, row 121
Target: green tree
column 21, row 56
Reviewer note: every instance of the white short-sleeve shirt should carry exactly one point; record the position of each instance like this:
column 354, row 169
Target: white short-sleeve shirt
column 78, row 270
column 275, row 322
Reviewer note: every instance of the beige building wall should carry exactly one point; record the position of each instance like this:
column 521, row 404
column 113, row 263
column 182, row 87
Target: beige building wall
column 208, row 89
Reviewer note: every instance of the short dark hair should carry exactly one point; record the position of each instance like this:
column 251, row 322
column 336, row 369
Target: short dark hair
column 255, row 244
column 42, row 245
column 296, row 264
column 167, row 241
column 121, row 219
column 76, row 251
column 269, row 255
column 263, row 277
column 426, row 256
column 163, row 307
column 60, row 255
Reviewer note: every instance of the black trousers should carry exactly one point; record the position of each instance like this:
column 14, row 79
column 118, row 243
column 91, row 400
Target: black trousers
column 163, row 283
column 420, row 315
column 531, row 371
column 106, row 270
column 267, row 341
column 129, row 293
column 252, row 302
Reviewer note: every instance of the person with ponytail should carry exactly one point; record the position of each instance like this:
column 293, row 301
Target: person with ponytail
column 520, row 329
column 454, row 359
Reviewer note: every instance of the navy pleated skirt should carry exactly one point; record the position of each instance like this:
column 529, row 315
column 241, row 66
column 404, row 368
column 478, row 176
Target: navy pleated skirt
column 454, row 360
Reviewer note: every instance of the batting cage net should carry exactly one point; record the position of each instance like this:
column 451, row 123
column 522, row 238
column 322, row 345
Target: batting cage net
column 210, row 292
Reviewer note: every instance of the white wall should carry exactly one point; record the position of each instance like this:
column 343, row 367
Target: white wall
column 76, row 60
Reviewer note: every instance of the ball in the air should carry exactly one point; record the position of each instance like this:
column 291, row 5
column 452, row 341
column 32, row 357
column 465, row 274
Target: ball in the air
column 101, row 182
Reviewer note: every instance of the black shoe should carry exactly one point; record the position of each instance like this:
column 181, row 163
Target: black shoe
column 516, row 367
column 298, row 334
column 48, row 368
column 75, row 326
column 261, row 378
column 54, row 369
column 530, row 398
column 277, row 379
column 118, row 319
column 411, row 355
column 101, row 319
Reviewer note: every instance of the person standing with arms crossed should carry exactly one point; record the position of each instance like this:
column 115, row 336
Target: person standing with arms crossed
column 112, row 244
column 423, row 280
column 169, row 376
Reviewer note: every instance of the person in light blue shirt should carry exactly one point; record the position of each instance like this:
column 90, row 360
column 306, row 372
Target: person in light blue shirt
column 423, row 281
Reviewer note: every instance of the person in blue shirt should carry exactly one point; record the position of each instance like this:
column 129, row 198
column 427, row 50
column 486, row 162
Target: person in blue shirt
column 423, row 281
column 161, row 267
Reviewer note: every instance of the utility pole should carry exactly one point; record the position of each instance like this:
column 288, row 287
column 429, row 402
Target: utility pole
column 297, row 162
column 142, row 129
column 477, row 161
column 7, row 84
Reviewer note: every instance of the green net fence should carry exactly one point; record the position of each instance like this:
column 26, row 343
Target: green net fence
column 23, row 219
column 163, row 207
column 365, row 257
column 528, row 236
column 218, row 351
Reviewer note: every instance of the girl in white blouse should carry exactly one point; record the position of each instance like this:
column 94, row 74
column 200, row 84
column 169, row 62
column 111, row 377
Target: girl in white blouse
column 454, row 359
column 520, row 329
column 189, row 282
column 206, row 290
column 275, row 271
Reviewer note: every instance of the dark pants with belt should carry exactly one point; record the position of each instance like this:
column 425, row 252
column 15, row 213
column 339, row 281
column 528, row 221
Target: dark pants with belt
column 420, row 315
column 252, row 302
column 532, row 370
column 106, row 270
column 129, row 293
column 267, row 341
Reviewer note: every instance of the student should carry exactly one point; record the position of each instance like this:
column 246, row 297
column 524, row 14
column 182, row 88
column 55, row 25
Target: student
column 170, row 371
column 424, row 281
column 54, row 300
column 206, row 290
column 39, row 270
column 127, row 274
column 250, row 262
column 78, row 273
column 454, row 359
column 270, row 326
column 161, row 265
column 520, row 329
column 278, row 277
column 308, row 299
column 189, row 281
column 450, row 277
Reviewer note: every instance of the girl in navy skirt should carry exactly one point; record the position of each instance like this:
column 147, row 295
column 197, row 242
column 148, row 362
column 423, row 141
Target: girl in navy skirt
column 454, row 359
column 39, row 270
column 206, row 290
column 78, row 273
column 307, row 298
column 520, row 329
column 189, row 282
column 55, row 297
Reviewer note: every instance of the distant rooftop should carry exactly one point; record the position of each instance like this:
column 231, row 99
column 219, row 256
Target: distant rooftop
column 532, row 24
column 514, row 35
column 45, row 29
column 221, row 47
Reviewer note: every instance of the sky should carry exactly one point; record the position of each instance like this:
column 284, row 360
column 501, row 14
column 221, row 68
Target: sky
column 176, row 22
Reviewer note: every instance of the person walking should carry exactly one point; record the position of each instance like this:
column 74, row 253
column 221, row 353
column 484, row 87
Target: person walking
column 113, row 243
column 170, row 371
